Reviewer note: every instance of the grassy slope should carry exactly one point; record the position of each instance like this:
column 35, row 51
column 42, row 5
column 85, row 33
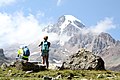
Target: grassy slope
column 14, row 74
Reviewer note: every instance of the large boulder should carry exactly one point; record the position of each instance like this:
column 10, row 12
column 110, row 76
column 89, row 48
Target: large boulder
column 28, row 66
column 83, row 60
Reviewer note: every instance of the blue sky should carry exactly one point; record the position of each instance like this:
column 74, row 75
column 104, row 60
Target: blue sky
column 16, row 15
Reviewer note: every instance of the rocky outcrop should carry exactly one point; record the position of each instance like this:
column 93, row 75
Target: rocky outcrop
column 2, row 53
column 83, row 60
column 2, row 57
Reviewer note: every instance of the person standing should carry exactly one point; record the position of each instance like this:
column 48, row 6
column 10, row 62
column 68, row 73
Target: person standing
column 45, row 50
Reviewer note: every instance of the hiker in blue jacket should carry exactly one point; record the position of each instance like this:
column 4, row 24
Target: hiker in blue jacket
column 26, row 53
column 45, row 51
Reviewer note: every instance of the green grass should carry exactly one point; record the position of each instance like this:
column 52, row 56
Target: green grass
column 14, row 74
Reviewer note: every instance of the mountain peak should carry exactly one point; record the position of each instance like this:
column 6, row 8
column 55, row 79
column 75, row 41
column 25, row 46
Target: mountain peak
column 66, row 20
column 71, row 18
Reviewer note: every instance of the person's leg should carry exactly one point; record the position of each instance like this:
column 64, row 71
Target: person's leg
column 43, row 59
column 18, row 55
column 47, row 62
column 27, row 59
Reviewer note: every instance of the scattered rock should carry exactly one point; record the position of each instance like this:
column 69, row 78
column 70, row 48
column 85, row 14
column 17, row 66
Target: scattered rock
column 47, row 78
column 59, row 76
column 100, row 76
column 70, row 76
column 84, row 79
column 12, row 64
column 29, row 71
column 9, row 73
column 4, row 66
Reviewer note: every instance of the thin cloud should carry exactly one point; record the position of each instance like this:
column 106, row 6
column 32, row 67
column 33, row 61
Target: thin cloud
column 59, row 2
column 6, row 2
column 103, row 26
column 18, row 28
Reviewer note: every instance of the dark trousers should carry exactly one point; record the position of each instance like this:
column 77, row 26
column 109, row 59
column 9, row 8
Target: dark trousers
column 25, row 58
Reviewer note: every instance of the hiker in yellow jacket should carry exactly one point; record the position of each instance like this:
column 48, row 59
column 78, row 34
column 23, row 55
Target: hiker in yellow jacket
column 20, row 53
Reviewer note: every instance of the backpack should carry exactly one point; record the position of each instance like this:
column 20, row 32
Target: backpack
column 45, row 47
column 26, row 52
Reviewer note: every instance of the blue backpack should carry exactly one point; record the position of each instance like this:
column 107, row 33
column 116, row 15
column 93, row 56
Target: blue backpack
column 45, row 47
column 26, row 52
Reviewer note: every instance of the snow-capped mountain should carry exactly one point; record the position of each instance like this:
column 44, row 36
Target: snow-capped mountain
column 68, row 21
column 66, row 27
column 65, row 23
column 69, row 34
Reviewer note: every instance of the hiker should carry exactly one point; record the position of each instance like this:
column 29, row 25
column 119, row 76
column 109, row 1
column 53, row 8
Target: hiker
column 45, row 51
column 20, row 52
column 26, row 53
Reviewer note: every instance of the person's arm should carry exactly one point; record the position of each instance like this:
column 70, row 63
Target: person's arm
column 18, row 53
column 40, row 44
column 49, row 44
